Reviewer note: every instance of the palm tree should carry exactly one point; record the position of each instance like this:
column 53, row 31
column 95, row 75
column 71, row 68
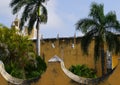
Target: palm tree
column 34, row 12
column 101, row 28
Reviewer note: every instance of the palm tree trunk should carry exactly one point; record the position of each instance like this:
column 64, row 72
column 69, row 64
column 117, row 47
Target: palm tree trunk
column 38, row 37
column 103, row 65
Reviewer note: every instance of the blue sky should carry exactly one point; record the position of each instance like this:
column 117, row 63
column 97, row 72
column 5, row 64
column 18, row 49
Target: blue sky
column 62, row 15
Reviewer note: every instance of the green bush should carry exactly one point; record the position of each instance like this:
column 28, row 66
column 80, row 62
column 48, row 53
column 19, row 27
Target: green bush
column 36, row 69
column 32, row 69
column 14, row 71
column 18, row 55
column 83, row 71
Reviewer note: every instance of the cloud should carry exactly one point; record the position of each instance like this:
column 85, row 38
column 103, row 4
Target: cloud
column 4, row 4
column 5, row 8
column 54, row 20
column 6, row 16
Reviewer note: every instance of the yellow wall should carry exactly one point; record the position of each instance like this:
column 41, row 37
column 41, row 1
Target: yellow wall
column 3, row 81
column 114, row 78
column 71, row 56
column 114, row 61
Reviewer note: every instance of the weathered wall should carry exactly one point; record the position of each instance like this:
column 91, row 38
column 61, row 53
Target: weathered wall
column 113, row 79
column 69, row 49
column 54, row 76
column 71, row 55
column 3, row 81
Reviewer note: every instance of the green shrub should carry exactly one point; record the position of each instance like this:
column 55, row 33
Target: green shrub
column 32, row 69
column 13, row 70
column 35, row 69
column 83, row 71
column 18, row 55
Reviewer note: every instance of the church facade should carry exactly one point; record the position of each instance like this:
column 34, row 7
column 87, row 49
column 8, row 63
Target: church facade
column 24, row 31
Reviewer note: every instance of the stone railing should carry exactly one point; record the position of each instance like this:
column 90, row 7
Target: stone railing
column 78, row 79
column 8, row 77
column 14, row 80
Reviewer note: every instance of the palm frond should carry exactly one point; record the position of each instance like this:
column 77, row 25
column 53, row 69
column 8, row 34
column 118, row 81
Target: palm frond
column 111, row 17
column 43, row 1
column 29, row 14
column 86, row 25
column 32, row 20
column 28, row 10
column 113, row 42
column 97, row 12
column 18, row 6
column 86, row 40
column 44, row 14
column 111, row 21
column 14, row 2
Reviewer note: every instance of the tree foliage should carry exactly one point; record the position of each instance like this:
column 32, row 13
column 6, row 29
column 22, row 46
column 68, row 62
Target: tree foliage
column 102, row 29
column 32, row 9
column 83, row 71
column 100, row 26
column 34, row 12
column 17, row 53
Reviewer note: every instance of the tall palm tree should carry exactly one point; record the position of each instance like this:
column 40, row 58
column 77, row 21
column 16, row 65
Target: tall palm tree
column 34, row 12
column 102, row 27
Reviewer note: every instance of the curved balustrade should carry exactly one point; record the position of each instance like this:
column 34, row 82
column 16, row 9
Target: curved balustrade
column 72, row 76
column 76, row 78
column 8, row 77
column 14, row 80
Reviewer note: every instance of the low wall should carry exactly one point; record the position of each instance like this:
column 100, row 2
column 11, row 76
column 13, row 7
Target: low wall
column 55, row 76
column 3, row 81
